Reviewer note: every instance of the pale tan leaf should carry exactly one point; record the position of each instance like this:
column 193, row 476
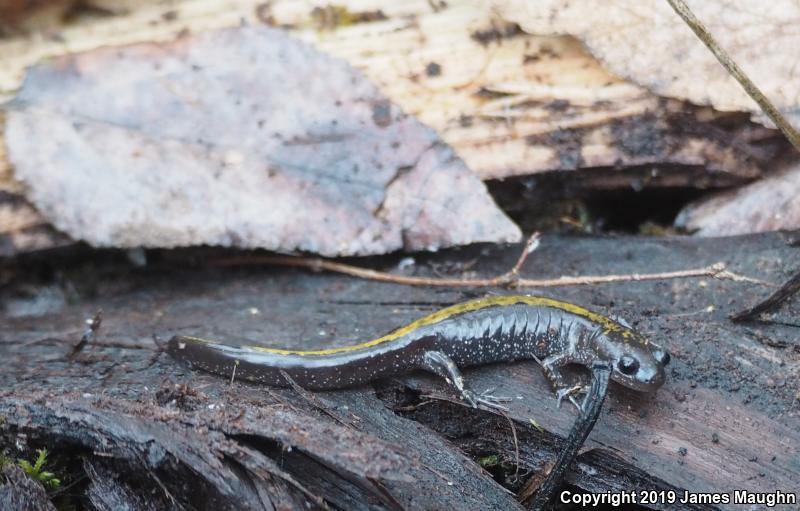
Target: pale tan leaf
column 242, row 137
column 645, row 42
column 771, row 204
column 509, row 103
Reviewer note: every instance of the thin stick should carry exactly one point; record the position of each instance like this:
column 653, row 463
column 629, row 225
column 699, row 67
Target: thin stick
column 772, row 302
column 766, row 105
column 530, row 245
column 509, row 279
column 88, row 336
column 233, row 373
column 516, row 445
column 313, row 401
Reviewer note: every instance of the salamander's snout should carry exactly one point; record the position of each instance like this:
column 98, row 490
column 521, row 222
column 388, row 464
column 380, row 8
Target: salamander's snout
column 648, row 376
column 652, row 371
column 656, row 378
column 662, row 357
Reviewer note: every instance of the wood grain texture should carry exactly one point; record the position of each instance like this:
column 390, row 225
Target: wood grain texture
column 726, row 419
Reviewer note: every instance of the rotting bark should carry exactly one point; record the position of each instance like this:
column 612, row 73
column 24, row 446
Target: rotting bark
column 726, row 419
column 595, row 470
column 21, row 493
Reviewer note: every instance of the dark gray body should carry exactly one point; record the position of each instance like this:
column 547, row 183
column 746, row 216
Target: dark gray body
column 491, row 330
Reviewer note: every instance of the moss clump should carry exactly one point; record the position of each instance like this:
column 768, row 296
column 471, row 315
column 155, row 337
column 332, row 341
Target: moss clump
column 489, row 461
column 36, row 470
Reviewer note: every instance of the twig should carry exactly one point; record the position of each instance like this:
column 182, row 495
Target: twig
column 430, row 398
column 508, row 279
column 437, row 473
column 414, row 407
column 584, row 424
column 766, row 105
column 385, row 495
column 233, row 373
column 88, row 335
column 154, row 476
column 532, row 244
column 516, row 445
column 314, row 402
column 778, row 297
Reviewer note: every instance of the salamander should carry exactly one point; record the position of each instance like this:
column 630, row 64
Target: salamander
column 487, row 330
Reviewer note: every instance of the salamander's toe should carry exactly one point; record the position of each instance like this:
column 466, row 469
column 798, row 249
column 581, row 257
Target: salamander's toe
column 570, row 394
column 494, row 402
column 470, row 397
column 486, row 398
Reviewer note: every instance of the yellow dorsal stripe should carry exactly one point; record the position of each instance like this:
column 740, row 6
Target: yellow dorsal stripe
column 470, row 306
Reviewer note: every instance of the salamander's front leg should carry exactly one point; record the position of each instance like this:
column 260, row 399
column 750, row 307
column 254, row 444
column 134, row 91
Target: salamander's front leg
column 441, row 364
column 552, row 370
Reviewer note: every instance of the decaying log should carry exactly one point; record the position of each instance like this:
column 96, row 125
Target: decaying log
column 21, row 493
column 726, row 419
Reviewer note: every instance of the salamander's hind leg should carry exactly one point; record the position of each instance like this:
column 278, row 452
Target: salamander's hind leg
column 439, row 363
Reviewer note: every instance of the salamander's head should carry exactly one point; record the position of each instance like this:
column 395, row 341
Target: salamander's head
column 638, row 363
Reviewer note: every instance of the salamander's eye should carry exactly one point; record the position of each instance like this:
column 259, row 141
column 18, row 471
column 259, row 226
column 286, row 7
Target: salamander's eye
column 628, row 365
column 662, row 357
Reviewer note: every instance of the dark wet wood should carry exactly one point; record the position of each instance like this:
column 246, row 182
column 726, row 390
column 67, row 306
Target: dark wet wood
column 21, row 493
column 726, row 419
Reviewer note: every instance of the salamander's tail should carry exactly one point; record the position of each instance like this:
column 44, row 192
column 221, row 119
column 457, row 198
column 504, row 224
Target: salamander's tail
column 231, row 361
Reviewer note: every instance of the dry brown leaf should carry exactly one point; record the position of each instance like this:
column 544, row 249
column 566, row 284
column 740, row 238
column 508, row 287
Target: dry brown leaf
column 241, row 137
column 647, row 43
column 509, row 103
column 630, row 133
column 24, row 15
column 770, row 204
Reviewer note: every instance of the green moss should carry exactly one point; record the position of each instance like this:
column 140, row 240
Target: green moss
column 36, row 470
column 653, row 229
column 489, row 461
